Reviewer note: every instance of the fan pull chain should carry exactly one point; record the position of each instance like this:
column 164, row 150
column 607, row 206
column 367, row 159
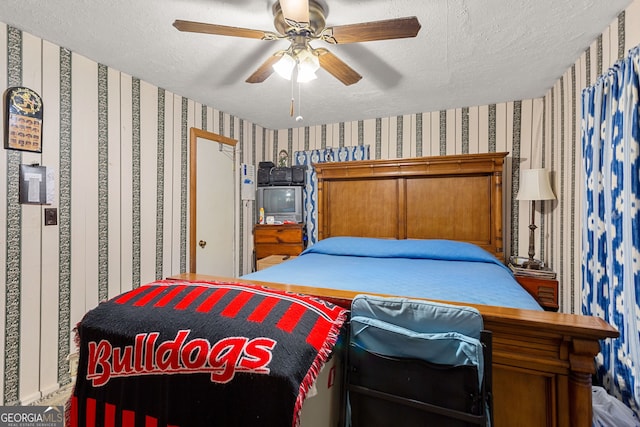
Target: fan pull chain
column 299, row 116
column 292, row 100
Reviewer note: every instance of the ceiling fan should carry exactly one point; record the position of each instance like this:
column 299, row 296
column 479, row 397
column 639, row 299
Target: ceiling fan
column 300, row 22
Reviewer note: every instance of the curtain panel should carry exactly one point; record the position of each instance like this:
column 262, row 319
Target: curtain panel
column 311, row 157
column 611, row 229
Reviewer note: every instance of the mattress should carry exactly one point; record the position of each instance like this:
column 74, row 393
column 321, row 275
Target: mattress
column 434, row 269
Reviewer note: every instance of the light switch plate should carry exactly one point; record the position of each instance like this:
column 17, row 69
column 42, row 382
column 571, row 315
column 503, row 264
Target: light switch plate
column 50, row 216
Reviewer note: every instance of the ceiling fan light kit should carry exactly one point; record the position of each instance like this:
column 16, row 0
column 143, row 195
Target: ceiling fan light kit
column 301, row 56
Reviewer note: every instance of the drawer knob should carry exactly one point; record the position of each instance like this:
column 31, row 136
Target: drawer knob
column 202, row 243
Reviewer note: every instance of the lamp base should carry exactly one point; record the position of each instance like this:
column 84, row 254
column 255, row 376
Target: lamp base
column 527, row 263
column 532, row 264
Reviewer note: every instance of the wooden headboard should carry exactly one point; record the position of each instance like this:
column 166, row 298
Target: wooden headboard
column 446, row 197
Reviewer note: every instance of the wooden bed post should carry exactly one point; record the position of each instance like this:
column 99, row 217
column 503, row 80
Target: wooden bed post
column 321, row 226
column 497, row 221
column 582, row 364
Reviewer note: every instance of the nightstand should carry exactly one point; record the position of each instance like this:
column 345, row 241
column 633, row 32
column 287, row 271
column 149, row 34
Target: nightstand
column 284, row 239
column 544, row 290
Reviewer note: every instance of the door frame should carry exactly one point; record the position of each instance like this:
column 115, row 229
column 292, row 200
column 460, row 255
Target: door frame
column 194, row 134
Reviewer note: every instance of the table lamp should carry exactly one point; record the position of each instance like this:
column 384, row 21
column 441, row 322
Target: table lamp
column 534, row 185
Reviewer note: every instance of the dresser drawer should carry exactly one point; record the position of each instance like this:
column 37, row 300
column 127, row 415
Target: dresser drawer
column 545, row 291
column 272, row 260
column 265, row 249
column 284, row 239
column 278, row 234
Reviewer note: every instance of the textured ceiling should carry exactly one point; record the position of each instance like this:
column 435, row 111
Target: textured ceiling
column 468, row 52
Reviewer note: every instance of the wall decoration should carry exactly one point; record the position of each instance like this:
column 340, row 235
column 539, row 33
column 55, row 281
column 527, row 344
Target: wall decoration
column 310, row 157
column 23, row 117
column 283, row 159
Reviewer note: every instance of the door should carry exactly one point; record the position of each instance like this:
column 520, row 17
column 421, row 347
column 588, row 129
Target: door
column 212, row 246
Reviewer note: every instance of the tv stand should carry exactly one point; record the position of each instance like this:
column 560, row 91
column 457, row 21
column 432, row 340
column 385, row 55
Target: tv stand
column 283, row 239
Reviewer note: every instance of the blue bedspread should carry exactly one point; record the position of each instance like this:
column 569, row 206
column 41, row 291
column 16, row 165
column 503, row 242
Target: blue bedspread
column 436, row 269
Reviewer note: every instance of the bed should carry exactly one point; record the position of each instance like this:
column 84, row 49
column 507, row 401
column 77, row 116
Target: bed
column 542, row 361
column 437, row 269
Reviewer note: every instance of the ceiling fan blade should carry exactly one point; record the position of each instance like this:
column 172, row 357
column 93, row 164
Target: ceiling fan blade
column 337, row 68
column 295, row 12
column 399, row 28
column 265, row 70
column 223, row 30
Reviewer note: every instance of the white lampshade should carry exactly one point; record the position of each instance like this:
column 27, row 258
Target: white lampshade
column 305, row 74
column 534, row 185
column 284, row 67
column 307, row 59
column 308, row 64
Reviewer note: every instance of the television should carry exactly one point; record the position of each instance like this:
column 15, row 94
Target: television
column 282, row 202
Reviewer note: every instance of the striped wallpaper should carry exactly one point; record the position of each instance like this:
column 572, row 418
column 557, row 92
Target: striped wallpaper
column 119, row 149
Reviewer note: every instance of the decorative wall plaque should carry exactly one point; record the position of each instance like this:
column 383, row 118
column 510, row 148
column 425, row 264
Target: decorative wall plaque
column 24, row 120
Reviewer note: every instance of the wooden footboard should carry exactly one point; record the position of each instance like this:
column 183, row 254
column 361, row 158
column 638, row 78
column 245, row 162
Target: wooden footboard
column 542, row 365
column 542, row 361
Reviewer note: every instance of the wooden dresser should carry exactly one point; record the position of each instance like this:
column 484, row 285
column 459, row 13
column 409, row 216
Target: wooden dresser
column 285, row 239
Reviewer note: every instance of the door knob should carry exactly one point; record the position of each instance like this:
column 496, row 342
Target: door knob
column 202, row 243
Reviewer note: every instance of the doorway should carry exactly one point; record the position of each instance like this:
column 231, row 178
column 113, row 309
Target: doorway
column 212, row 240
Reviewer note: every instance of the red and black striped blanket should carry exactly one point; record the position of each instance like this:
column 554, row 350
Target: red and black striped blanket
column 194, row 354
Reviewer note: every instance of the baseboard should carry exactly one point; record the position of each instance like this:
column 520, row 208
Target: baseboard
column 51, row 389
column 57, row 397
column 29, row 399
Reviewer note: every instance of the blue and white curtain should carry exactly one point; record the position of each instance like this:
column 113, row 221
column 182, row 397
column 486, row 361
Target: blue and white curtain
column 311, row 157
column 611, row 228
